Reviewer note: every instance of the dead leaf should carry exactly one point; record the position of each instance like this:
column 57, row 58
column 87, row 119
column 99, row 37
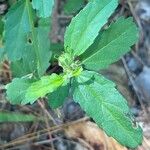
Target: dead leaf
column 92, row 134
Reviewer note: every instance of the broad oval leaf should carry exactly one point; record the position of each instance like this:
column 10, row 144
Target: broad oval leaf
column 84, row 28
column 111, row 44
column 108, row 108
column 43, row 7
column 23, row 91
column 17, row 27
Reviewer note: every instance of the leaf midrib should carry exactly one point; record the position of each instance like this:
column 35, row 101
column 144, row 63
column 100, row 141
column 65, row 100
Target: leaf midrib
column 103, row 103
column 98, row 51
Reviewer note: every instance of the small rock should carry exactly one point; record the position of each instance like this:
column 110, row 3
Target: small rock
column 134, row 65
column 72, row 111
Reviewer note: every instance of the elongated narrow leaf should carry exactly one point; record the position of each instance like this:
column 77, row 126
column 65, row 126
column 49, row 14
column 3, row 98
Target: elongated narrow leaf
column 111, row 44
column 17, row 27
column 16, row 117
column 43, row 7
column 58, row 97
column 108, row 108
column 23, row 91
column 44, row 48
column 85, row 26
column 71, row 6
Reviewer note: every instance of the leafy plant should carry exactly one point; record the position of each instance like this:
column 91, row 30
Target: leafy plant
column 86, row 50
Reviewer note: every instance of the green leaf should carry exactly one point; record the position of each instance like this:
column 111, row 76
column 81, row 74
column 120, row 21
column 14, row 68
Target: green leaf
column 16, row 117
column 23, row 91
column 44, row 7
column 45, row 22
column 27, row 40
column 30, row 63
column 111, row 44
column 71, row 6
column 1, row 54
column 26, row 65
column 84, row 76
column 101, row 101
column 17, row 27
column 57, row 50
column 85, row 26
column 1, row 26
column 45, row 85
column 17, row 89
column 44, row 48
column 58, row 97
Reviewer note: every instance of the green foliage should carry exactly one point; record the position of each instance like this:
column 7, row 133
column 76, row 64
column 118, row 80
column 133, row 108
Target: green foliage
column 83, row 30
column 45, row 85
column 16, row 117
column 85, row 48
column 33, row 41
column 17, row 27
column 58, row 97
column 1, row 26
column 71, row 6
column 27, row 91
column 111, row 44
column 1, row 53
column 16, row 90
column 43, row 7
column 113, row 113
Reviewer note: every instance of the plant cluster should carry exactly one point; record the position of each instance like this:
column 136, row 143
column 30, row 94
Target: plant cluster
column 87, row 49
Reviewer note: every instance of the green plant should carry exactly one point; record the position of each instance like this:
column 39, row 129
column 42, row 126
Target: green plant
column 86, row 50
column 71, row 6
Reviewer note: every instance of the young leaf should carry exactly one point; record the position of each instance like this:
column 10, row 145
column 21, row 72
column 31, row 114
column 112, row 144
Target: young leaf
column 71, row 6
column 23, row 91
column 85, row 76
column 57, row 50
column 43, row 7
column 108, row 108
column 16, row 28
column 111, row 44
column 16, row 117
column 85, row 26
column 58, row 97
column 45, row 85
